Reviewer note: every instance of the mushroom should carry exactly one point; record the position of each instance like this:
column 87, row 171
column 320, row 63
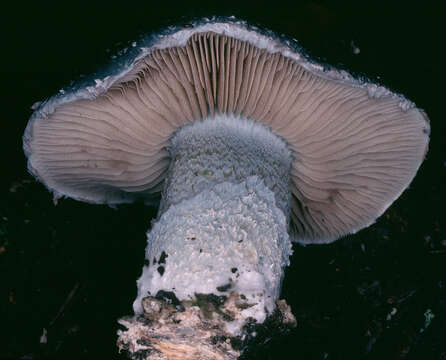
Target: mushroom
column 252, row 146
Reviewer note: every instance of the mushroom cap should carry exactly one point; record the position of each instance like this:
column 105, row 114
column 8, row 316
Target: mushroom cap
column 356, row 145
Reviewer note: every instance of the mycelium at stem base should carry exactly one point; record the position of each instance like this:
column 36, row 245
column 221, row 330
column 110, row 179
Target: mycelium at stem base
column 216, row 254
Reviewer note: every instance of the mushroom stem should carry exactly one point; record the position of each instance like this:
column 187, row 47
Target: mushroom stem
column 217, row 252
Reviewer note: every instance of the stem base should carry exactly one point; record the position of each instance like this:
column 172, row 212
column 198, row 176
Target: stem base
column 192, row 330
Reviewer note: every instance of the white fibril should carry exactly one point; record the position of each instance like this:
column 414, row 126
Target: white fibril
column 223, row 221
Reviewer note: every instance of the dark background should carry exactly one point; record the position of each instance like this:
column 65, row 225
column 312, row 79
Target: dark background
column 71, row 268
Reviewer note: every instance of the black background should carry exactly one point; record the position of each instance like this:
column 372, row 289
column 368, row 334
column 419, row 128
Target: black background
column 71, row 268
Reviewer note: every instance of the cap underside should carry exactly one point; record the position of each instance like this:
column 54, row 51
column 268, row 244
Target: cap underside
column 353, row 153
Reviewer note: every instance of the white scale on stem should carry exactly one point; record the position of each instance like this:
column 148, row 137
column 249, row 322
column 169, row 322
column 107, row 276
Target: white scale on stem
column 223, row 222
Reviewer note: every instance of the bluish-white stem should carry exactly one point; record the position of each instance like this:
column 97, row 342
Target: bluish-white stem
column 223, row 221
